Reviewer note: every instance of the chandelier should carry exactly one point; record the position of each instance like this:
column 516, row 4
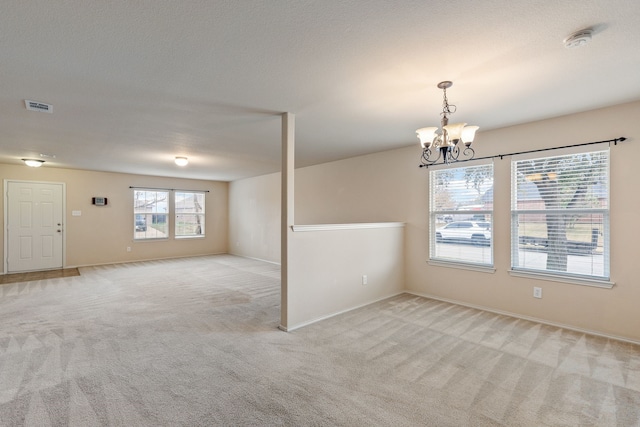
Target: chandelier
column 453, row 144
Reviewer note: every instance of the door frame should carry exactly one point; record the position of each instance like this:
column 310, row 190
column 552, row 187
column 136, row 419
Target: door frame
column 5, row 217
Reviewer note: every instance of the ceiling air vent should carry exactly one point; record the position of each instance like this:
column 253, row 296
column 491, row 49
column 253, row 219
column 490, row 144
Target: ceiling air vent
column 38, row 106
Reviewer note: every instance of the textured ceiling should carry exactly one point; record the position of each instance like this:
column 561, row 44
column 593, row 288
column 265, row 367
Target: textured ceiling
column 135, row 83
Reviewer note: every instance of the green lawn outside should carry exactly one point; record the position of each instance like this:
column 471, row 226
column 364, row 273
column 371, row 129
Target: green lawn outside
column 577, row 232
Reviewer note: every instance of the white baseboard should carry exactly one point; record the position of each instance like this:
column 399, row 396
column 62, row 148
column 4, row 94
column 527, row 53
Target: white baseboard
column 529, row 318
column 257, row 259
column 318, row 319
column 144, row 260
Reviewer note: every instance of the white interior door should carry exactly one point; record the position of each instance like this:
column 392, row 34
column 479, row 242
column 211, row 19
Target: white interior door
column 34, row 226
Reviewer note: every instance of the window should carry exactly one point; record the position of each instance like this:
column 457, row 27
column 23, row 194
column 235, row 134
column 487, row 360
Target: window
column 560, row 215
column 150, row 214
column 461, row 215
column 189, row 210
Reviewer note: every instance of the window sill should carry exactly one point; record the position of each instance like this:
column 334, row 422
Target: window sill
column 462, row 266
column 150, row 239
column 563, row 279
column 200, row 236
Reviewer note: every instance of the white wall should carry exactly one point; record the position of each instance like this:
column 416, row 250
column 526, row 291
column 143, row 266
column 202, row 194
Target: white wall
column 326, row 269
column 370, row 188
column 389, row 186
column 254, row 212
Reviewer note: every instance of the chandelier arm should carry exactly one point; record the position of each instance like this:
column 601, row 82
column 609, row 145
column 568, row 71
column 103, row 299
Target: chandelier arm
column 469, row 153
column 426, row 157
column 447, row 154
column 455, row 152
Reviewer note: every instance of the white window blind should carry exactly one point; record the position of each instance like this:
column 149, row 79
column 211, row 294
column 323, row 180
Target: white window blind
column 461, row 215
column 150, row 214
column 560, row 215
column 189, row 209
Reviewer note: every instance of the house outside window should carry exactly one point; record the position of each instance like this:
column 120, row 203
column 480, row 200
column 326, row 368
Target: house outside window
column 461, row 215
column 560, row 215
column 189, row 214
column 150, row 212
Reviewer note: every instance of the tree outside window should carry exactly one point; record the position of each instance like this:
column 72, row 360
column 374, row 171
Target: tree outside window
column 461, row 215
column 560, row 214
column 189, row 214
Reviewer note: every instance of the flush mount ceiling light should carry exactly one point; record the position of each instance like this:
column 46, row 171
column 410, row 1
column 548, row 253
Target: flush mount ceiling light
column 181, row 161
column 454, row 140
column 33, row 162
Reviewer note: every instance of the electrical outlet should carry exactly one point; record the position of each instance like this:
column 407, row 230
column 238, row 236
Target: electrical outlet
column 128, row 248
column 364, row 279
column 537, row 292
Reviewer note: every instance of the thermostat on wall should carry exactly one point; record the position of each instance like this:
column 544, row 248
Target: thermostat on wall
column 99, row 201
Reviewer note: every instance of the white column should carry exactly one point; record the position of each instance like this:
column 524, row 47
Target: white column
column 287, row 205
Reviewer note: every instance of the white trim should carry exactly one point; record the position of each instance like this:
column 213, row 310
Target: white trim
column 256, row 259
column 462, row 266
column 529, row 318
column 318, row 319
column 606, row 284
column 189, row 236
column 354, row 226
column 101, row 264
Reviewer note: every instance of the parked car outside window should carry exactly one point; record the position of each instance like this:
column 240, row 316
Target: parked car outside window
column 141, row 223
column 478, row 233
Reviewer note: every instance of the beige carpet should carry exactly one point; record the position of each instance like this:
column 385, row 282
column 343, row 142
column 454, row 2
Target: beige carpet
column 193, row 342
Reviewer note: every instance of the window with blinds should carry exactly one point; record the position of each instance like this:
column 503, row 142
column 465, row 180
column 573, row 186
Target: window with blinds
column 560, row 215
column 461, row 215
column 189, row 210
column 150, row 214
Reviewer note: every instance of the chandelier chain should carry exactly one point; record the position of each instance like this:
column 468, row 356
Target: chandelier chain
column 446, row 107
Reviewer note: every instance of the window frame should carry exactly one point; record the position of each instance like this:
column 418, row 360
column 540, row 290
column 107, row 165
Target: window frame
column 435, row 213
column 155, row 212
column 202, row 215
column 605, row 212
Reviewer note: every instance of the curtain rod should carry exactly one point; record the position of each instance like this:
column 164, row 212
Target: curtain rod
column 170, row 189
column 615, row 142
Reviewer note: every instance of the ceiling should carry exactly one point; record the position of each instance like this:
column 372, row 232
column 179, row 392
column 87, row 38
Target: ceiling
column 135, row 83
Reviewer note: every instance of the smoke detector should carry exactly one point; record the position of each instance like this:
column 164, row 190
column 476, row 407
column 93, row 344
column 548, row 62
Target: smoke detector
column 577, row 39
